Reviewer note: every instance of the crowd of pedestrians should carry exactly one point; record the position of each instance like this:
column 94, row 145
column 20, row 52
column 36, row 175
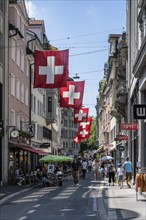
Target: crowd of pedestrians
column 101, row 169
column 79, row 168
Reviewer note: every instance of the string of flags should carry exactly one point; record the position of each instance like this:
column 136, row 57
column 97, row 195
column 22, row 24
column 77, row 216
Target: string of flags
column 51, row 71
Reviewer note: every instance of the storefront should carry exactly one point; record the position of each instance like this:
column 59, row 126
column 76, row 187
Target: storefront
column 24, row 157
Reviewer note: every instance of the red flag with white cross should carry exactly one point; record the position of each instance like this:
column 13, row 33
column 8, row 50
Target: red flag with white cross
column 83, row 134
column 84, row 129
column 80, row 115
column 72, row 95
column 50, row 68
column 77, row 140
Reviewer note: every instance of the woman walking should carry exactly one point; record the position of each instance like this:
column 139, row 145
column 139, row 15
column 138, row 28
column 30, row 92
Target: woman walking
column 111, row 172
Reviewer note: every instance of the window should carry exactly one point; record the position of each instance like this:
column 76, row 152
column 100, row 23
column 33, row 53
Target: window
column 49, row 104
column 12, row 79
column 18, row 121
column 18, row 21
column 34, row 104
column 22, row 93
column 27, row 68
column 18, row 89
column 13, row 50
column 13, row 122
column 26, row 96
column 18, row 56
column 22, row 61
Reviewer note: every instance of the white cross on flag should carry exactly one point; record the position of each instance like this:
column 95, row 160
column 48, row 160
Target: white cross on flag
column 84, row 129
column 72, row 95
column 51, row 68
column 80, row 115
column 76, row 140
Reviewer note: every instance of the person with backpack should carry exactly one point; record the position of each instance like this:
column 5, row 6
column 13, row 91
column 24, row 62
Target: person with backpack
column 128, row 171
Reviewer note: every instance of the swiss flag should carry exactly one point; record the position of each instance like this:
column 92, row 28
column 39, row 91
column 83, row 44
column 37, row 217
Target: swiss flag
column 84, row 129
column 51, row 68
column 84, row 134
column 72, row 95
column 85, row 125
column 77, row 140
column 80, row 115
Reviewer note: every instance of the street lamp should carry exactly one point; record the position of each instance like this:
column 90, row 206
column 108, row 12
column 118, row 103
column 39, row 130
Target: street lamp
column 76, row 76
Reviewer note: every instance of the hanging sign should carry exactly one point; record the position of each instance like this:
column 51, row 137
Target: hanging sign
column 121, row 137
column 128, row 126
column 121, row 148
column 139, row 111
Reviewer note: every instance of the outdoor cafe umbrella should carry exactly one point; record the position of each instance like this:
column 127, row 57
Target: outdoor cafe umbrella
column 55, row 159
column 105, row 158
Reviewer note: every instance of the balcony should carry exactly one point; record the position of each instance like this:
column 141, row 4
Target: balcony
column 114, row 113
column 122, row 99
column 50, row 118
column 140, row 62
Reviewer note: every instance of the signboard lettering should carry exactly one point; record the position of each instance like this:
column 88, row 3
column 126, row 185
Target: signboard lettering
column 128, row 126
column 139, row 111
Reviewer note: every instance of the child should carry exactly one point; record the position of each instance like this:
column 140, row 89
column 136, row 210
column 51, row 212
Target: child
column 120, row 172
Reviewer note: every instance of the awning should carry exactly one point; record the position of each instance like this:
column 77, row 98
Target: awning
column 32, row 150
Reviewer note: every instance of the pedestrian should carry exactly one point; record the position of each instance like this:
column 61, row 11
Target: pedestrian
column 19, row 177
column 120, row 172
column 89, row 165
column 95, row 168
column 75, row 172
column 111, row 173
column 102, row 171
column 128, row 171
column 84, row 168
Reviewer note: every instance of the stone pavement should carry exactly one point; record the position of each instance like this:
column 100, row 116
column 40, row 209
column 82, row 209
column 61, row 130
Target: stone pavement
column 9, row 191
column 118, row 204
column 113, row 203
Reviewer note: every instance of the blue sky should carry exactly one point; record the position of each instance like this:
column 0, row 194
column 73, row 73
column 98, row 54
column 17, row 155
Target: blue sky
column 82, row 27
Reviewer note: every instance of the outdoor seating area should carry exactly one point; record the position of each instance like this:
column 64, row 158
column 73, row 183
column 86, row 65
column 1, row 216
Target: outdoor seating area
column 52, row 170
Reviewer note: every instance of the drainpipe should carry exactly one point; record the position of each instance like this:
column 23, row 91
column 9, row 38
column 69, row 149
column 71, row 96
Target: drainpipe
column 30, row 52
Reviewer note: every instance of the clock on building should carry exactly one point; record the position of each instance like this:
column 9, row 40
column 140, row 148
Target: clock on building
column 14, row 133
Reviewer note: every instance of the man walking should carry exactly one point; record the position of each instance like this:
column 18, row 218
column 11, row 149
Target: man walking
column 128, row 170
column 75, row 172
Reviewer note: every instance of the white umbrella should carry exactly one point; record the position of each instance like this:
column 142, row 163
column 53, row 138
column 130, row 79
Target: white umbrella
column 106, row 158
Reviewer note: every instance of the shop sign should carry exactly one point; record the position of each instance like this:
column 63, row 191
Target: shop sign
column 31, row 130
column 121, row 148
column 121, row 137
column 139, row 111
column 138, row 164
column 128, row 126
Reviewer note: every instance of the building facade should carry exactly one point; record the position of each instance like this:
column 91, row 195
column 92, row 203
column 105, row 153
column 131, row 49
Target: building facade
column 136, row 75
column 3, row 90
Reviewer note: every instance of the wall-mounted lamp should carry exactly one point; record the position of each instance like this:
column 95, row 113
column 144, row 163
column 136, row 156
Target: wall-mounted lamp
column 14, row 28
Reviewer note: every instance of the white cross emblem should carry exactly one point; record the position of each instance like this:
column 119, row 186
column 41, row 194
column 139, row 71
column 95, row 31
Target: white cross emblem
column 84, row 132
column 76, row 139
column 71, row 95
column 50, row 70
column 84, row 124
column 80, row 115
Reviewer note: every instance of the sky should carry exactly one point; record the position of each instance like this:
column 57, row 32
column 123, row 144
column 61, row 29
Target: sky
column 83, row 27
